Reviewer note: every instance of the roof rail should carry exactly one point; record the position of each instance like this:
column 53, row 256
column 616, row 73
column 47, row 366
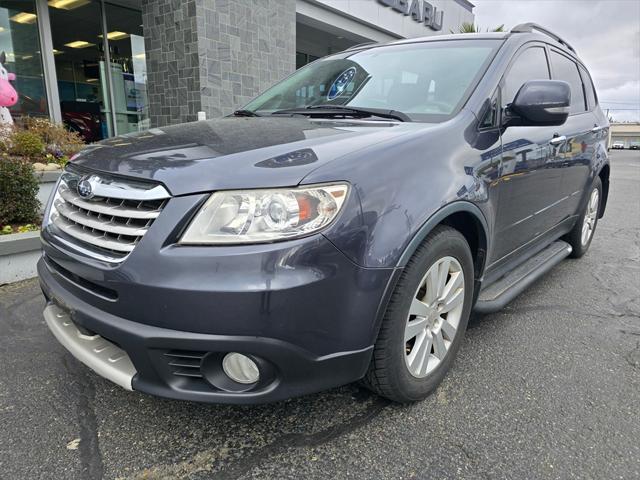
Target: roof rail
column 353, row 47
column 530, row 27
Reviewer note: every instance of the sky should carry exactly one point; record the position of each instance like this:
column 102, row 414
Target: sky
column 605, row 34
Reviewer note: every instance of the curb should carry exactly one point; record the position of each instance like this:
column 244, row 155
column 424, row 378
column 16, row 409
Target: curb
column 19, row 253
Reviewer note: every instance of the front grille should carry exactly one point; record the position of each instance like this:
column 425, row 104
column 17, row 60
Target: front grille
column 111, row 217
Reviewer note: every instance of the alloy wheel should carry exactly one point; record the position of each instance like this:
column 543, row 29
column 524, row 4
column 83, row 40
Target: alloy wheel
column 590, row 217
column 434, row 316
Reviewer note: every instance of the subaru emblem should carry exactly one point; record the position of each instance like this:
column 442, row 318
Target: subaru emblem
column 85, row 187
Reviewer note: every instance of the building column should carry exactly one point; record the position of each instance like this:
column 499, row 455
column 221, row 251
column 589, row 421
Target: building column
column 214, row 55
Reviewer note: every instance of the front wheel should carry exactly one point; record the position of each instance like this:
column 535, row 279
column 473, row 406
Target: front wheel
column 582, row 233
column 425, row 320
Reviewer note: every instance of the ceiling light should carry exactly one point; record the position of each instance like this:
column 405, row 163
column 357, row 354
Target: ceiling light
column 140, row 56
column 79, row 44
column 67, row 4
column 115, row 35
column 1, row 29
column 57, row 52
column 24, row 17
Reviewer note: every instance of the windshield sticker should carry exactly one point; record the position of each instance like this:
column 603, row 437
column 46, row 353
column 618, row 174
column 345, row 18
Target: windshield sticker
column 340, row 83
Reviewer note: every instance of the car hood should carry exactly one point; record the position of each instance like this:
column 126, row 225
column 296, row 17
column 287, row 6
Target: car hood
column 232, row 153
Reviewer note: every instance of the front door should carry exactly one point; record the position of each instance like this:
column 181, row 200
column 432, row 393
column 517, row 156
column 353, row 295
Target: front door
column 530, row 178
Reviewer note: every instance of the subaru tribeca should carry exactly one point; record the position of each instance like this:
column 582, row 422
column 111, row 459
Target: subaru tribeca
column 340, row 227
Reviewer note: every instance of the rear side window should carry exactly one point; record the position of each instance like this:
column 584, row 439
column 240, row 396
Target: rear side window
column 566, row 69
column 530, row 65
column 589, row 90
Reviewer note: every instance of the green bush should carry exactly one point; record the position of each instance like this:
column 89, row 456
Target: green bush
column 58, row 141
column 18, row 192
column 27, row 144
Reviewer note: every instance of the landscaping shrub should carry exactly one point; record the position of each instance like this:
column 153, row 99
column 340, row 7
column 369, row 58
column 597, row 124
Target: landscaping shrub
column 18, row 192
column 59, row 142
column 27, row 144
column 39, row 140
column 30, row 141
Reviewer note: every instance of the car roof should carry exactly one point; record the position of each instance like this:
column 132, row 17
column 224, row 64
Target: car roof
column 519, row 34
column 455, row 36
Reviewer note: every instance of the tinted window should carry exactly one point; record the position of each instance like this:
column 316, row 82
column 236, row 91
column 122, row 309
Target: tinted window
column 567, row 70
column 592, row 101
column 530, row 65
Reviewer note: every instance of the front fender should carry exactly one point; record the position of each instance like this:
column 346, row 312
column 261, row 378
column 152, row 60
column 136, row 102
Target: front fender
column 436, row 219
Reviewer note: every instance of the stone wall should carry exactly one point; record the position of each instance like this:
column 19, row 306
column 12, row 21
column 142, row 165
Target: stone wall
column 214, row 55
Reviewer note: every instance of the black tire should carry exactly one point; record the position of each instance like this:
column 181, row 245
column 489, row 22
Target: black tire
column 388, row 374
column 574, row 237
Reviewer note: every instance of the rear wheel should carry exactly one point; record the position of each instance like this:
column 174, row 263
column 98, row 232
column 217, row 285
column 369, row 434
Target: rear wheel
column 582, row 233
column 426, row 318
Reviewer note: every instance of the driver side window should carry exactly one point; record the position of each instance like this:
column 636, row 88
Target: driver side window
column 530, row 65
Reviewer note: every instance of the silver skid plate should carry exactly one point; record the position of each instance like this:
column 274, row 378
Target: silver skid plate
column 100, row 355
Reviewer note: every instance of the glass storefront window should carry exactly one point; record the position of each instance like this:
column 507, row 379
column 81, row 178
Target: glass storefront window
column 128, row 68
column 20, row 43
column 83, row 75
column 76, row 31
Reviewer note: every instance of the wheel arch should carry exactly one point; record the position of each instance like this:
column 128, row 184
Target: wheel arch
column 463, row 216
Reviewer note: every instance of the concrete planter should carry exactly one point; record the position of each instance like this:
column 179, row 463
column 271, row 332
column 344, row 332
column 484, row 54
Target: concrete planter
column 19, row 253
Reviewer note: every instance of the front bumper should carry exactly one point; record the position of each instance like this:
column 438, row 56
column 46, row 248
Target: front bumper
column 309, row 326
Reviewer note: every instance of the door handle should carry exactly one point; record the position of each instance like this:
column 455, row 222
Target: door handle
column 558, row 140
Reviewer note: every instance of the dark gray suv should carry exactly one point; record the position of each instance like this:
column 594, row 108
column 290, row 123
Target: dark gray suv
column 340, row 227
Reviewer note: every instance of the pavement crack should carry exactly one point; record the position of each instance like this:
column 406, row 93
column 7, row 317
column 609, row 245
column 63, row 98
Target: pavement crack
column 633, row 357
column 471, row 459
column 629, row 332
column 89, row 449
column 300, row 440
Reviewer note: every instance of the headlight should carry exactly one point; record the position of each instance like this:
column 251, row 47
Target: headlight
column 253, row 216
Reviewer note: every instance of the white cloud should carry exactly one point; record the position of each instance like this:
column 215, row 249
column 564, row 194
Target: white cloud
column 605, row 34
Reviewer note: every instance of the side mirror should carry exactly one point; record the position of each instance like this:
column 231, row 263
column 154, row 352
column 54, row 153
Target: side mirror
column 542, row 102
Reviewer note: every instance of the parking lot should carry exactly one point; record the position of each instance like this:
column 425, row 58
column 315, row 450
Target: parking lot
column 547, row 388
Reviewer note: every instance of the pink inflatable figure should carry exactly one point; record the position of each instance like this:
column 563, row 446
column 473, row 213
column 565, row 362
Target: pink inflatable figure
column 8, row 94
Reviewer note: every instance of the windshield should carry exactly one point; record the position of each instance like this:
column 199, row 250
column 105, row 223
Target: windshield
column 427, row 81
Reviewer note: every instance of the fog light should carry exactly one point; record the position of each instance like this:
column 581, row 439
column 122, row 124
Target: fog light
column 240, row 368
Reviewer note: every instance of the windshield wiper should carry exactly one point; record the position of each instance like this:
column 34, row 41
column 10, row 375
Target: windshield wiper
column 245, row 113
column 326, row 110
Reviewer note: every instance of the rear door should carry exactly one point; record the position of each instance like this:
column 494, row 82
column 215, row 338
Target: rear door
column 581, row 133
column 529, row 178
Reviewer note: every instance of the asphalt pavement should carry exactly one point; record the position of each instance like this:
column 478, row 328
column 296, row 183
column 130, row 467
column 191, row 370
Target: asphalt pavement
column 547, row 388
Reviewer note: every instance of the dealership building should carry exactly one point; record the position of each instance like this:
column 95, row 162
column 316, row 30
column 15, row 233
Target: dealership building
column 626, row 133
column 112, row 67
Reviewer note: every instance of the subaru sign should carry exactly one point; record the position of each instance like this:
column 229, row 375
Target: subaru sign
column 419, row 10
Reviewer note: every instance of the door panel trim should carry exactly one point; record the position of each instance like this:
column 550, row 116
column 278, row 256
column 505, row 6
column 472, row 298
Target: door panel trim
column 540, row 240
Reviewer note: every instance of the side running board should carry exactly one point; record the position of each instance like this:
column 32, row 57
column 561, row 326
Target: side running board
column 495, row 296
